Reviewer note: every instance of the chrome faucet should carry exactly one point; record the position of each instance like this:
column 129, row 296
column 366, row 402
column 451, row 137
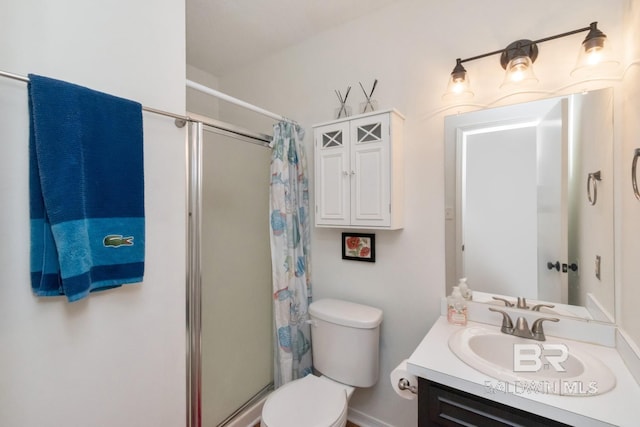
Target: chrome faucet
column 522, row 303
column 537, row 307
column 521, row 328
column 506, row 302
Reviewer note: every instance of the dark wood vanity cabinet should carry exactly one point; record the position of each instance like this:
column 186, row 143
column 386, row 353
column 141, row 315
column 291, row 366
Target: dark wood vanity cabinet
column 439, row 405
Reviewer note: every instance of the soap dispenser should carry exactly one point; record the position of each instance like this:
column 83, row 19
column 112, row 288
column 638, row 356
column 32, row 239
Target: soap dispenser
column 464, row 289
column 456, row 308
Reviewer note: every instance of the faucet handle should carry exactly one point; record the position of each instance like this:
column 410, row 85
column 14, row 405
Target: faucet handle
column 507, row 323
column 536, row 328
column 506, row 302
column 537, row 307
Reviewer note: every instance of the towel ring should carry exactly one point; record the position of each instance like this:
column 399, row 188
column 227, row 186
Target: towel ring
column 593, row 177
column 634, row 177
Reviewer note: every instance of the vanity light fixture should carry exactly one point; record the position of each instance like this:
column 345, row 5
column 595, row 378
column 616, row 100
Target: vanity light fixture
column 595, row 50
column 459, row 85
column 518, row 57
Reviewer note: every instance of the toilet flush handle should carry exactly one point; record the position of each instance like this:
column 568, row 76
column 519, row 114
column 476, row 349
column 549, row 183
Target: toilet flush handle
column 311, row 322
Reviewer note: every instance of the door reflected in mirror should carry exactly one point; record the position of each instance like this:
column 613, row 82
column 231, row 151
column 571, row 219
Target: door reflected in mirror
column 529, row 199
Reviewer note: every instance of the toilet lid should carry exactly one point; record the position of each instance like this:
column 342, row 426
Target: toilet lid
column 309, row 402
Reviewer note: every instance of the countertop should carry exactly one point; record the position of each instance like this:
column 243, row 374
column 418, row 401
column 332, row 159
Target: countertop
column 433, row 360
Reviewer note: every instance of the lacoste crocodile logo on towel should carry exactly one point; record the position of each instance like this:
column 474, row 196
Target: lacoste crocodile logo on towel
column 117, row 240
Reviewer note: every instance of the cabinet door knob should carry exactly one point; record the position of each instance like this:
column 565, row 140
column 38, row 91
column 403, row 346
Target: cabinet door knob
column 345, row 173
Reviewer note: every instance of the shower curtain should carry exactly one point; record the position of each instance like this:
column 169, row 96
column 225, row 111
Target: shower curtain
column 290, row 253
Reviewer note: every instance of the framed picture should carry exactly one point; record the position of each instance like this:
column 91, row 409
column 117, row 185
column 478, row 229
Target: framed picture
column 359, row 247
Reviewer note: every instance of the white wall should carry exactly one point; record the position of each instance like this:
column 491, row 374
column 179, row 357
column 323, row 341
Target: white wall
column 116, row 358
column 594, row 224
column 629, row 224
column 198, row 102
column 410, row 47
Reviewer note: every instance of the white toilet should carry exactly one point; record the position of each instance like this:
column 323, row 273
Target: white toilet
column 345, row 341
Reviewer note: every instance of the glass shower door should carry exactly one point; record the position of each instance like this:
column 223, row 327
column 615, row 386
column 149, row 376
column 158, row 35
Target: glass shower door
column 236, row 309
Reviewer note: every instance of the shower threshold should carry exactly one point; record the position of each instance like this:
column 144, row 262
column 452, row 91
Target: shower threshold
column 228, row 422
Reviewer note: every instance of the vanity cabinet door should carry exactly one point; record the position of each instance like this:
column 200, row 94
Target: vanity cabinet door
column 439, row 405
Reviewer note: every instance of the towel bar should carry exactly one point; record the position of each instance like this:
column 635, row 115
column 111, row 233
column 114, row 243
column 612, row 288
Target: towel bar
column 180, row 120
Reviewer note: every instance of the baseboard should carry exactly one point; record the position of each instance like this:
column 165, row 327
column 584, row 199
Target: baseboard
column 629, row 353
column 364, row 420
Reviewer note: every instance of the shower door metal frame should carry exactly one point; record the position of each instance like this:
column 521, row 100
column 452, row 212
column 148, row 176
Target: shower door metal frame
column 195, row 134
column 194, row 279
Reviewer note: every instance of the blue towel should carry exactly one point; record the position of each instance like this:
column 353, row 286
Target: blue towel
column 86, row 189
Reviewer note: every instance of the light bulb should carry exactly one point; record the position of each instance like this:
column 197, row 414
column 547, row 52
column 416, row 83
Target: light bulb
column 594, row 56
column 458, row 86
column 519, row 71
column 518, row 68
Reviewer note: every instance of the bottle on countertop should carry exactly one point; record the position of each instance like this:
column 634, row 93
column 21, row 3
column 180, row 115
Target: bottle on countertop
column 464, row 289
column 456, row 308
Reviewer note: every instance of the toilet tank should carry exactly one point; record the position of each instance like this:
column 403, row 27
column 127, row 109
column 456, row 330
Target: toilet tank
column 345, row 341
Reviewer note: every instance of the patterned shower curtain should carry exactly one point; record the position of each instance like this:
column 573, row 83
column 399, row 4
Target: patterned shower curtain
column 290, row 253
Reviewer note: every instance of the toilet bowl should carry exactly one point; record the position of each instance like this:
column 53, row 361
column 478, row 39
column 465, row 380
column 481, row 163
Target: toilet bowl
column 345, row 348
column 310, row 401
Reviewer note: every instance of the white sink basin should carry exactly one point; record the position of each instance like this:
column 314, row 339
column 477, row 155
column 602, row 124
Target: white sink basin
column 553, row 366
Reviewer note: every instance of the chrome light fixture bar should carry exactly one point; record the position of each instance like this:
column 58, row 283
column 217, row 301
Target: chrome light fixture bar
column 518, row 57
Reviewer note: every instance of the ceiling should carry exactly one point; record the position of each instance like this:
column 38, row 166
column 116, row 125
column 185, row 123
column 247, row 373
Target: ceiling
column 224, row 34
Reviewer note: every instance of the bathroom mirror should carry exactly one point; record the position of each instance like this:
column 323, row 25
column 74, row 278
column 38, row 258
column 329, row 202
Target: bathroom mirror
column 529, row 203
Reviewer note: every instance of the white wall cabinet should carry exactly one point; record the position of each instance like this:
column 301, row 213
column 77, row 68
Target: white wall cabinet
column 358, row 172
